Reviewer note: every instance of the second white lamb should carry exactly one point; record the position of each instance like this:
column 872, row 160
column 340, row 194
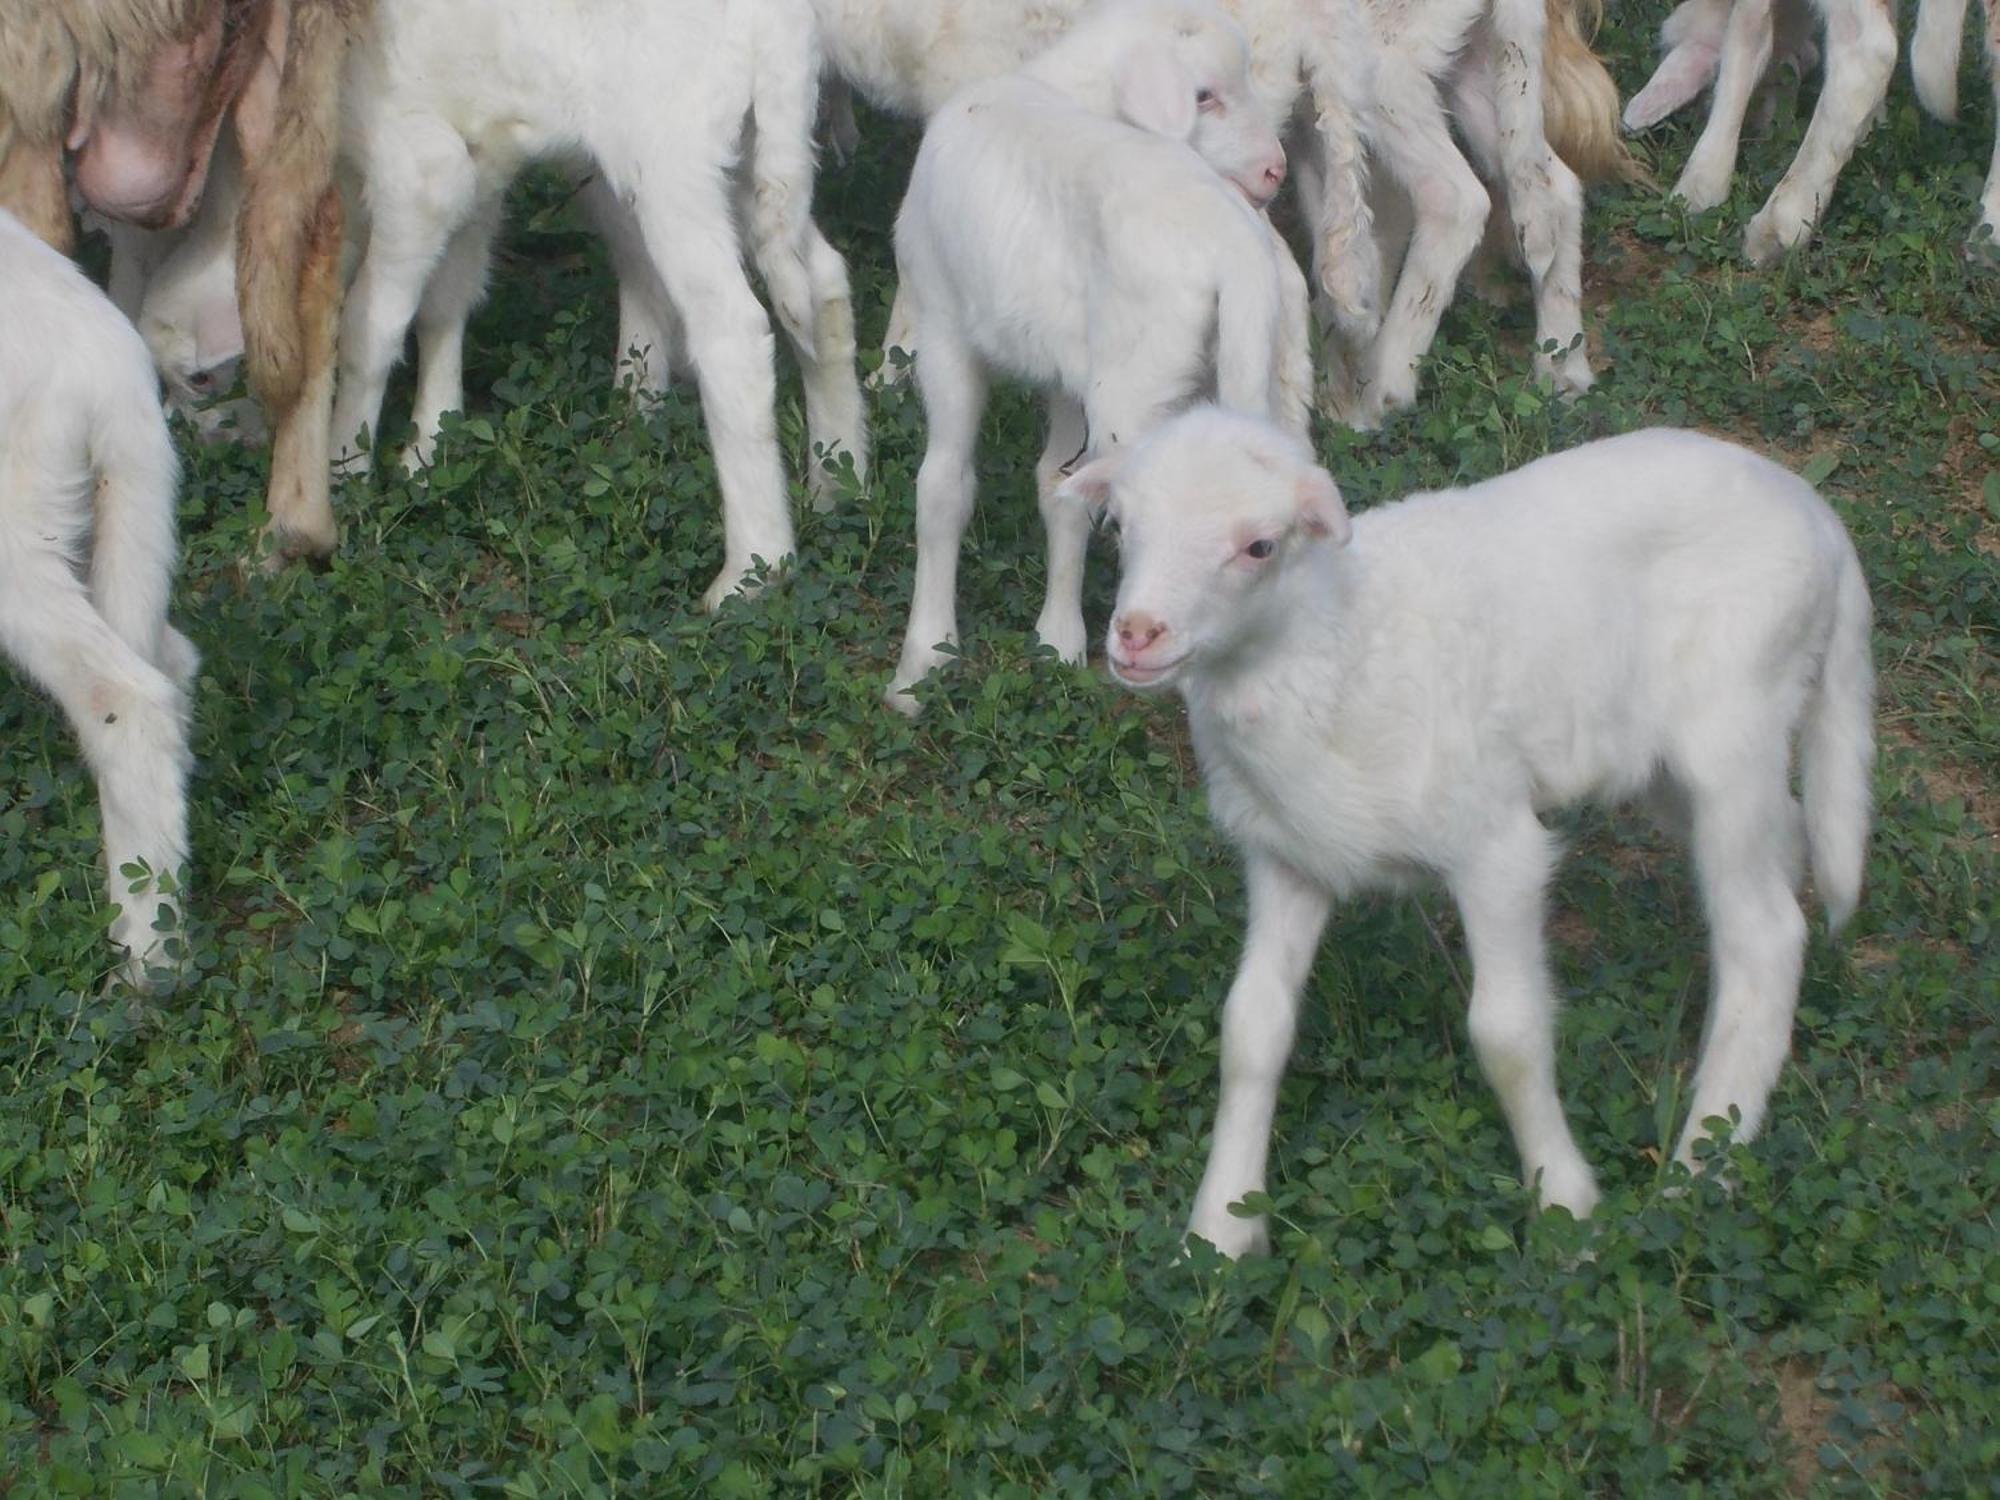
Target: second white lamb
column 1660, row 615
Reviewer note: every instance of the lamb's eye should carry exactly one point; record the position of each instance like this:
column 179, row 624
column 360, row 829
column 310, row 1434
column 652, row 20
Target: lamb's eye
column 1260, row 549
column 1205, row 99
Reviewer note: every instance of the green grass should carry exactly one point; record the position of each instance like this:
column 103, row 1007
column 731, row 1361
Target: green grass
column 622, row 1058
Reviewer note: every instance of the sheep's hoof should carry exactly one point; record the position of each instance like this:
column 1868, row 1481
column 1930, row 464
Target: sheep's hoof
column 278, row 547
column 1772, row 233
column 899, row 697
column 1232, row 1236
column 1571, row 1187
column 743, row 579
column 1701, row 189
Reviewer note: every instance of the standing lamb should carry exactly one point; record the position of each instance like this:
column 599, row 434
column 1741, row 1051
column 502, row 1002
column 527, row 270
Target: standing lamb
column 449, row 99
column 84, row 453
column 1660, row 613
column 1086, row 224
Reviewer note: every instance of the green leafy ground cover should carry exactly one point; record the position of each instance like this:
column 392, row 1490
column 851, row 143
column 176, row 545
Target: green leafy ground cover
column 622, row 1058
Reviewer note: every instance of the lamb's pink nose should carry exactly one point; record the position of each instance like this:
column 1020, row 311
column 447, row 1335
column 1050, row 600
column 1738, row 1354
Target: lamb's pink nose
column 1274, row 175
column 1137, row 631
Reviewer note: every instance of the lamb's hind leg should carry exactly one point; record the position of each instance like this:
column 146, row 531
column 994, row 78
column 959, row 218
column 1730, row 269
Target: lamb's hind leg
column 1449, row 207
column 1543, row 196
column 1067, row 528
column 131, row 720
column 1512, row 1019
column 1746, row 842
column 1860, row 56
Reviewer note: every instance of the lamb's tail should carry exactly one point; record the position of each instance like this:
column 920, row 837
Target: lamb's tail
column 1580, row 100
column 1249, row 337
column 1934, row 55
column 132, row 554
column 1837, row 752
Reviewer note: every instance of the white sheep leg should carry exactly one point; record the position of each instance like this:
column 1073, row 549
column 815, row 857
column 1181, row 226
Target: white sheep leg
column 809, row 291
column 647, row 325
column 954, row 391
column 419, row 194
column 1543, row 196
column 130, row 718
column 1746, row 52
column 1449, row 207
column 691, row 237
column 450, row 296
column 1746, row 834
column 1987, row 235
column 900, row 334
column 1512, row 1017
column 1067, row 526
column 1860, row 56
column 1693, row 37
column 1286, row 917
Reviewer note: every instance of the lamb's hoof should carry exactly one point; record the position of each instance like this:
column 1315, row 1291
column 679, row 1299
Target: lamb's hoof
column 1571, row 1187
column 278, row 547
column 1232, row 1236
column 743, row 579
column 899, row 697
column 1772, row 233
column 1702, row 188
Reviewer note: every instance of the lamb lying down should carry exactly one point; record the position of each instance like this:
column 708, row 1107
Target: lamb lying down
column 1660, row 613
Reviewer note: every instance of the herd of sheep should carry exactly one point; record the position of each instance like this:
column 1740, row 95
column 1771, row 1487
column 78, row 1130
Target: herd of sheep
column 1661, row 617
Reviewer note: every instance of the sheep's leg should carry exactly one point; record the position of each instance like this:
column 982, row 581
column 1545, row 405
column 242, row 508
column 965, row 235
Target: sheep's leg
column 1543, row 197
column 1067, row 526
column 420, row 193
column 954, row 391
column 1693, row 38
column 1333, row 176
column 1987, row 236
column 807, row 280
column 1746, row 834
column 900, row 334
column 130, row 718
column 1287, row 915
column 1860, row 56
column 690, row 235
column 1449, row 207
column 647, row 324
column 454, row 290
column 805, row 276
column 1746, row 52
column 1512, row 1018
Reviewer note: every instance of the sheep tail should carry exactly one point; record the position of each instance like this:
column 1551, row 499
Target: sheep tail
column 1837, row 752
column 1580, row 100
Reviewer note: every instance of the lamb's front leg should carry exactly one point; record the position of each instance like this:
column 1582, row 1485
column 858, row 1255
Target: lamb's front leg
column 1860, row 56
column 1287, row 915
column 1512, row 1018
column 1746, row 51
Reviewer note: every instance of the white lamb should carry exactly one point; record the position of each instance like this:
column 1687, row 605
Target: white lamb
column 84, row 453
column 1657, row 614
column 1736, row 44
column 1086, row 224
column 448, row 99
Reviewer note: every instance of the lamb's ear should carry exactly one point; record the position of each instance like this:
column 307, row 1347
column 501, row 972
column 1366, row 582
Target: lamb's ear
column 1090, row 486
column 1154, row 92
column 1320, row 510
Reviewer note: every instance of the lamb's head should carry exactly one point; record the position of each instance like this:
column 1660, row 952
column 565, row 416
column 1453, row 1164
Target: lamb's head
column 1212, row 509
column 1178, row 68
